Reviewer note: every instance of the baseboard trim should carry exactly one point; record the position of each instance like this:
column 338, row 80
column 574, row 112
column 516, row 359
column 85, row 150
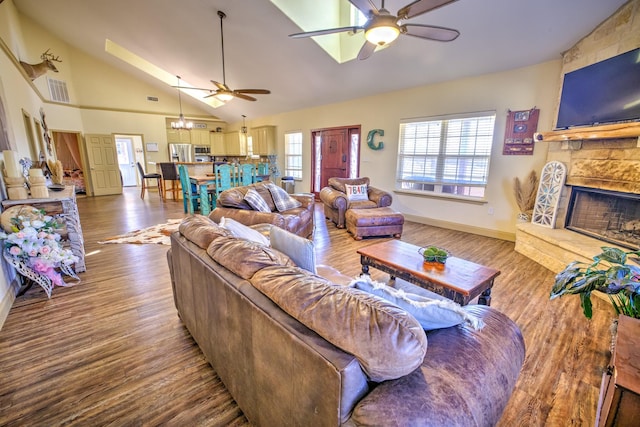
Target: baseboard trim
column 7, row 302
column 496, row 234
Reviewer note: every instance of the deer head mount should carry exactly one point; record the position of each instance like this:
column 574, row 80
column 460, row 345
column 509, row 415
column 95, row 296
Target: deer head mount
column 36, row 70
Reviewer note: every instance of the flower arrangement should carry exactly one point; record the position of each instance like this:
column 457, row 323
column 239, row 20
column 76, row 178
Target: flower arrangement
column 34, row 242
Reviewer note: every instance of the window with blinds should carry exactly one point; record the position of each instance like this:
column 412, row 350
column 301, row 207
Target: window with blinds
column 446, row 155
column 293, row 154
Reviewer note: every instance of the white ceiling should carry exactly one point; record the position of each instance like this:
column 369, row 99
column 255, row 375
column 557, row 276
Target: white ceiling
column 183, row 38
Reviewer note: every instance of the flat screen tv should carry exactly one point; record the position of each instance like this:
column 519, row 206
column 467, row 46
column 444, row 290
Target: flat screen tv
column 604, row 92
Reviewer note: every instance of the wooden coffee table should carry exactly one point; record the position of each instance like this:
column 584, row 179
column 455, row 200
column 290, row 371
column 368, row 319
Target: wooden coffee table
column 458, row 280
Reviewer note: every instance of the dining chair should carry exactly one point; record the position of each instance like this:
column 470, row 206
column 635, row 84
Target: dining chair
column 170, row 174
column 145, row 176
column 263, row 169
column 246, row 174
column 190, row 194
column 224, row 178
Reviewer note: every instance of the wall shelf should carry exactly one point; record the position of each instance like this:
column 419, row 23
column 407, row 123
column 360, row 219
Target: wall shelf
column 613, row 131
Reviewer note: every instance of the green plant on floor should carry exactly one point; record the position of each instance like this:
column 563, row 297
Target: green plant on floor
column 609, row 273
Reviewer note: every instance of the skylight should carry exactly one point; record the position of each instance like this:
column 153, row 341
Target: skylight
column 312, row 15
column 153, row 70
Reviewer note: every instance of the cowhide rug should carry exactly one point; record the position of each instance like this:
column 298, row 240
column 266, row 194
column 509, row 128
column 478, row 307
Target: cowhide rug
column 157, row 234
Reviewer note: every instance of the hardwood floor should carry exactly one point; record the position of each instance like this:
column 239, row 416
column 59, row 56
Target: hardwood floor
column 112, row 350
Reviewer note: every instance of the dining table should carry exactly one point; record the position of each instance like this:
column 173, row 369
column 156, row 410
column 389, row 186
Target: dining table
column 203, row 182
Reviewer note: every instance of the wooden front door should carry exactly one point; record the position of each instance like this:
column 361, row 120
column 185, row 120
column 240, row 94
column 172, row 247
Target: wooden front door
column 333, row 152
column 103, row 165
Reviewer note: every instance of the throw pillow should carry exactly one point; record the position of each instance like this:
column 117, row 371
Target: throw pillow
column 301, row 251
column 430, row 313
column 242, row 231
column 282, row 199
column 256, row 201
column 356, row 192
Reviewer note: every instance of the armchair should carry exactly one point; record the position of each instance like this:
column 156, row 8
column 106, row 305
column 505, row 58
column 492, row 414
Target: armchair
column 336, row 203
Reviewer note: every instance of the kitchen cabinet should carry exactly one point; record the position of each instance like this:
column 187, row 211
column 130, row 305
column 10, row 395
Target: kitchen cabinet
column 264, row 140
column 235, row 143
column 216, row 140
column 200, row 137
column 178, row 136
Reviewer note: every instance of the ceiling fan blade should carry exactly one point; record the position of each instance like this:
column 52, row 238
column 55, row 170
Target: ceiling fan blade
column 323, row 32
column 213, row 93
column 365, row 6
column 256, row 91
column 421, row 6
column 242, row 96
column 430, row 32
column 366, row 50
column 221, row 86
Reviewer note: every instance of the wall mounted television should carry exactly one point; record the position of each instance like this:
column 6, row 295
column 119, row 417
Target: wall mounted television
column 604, row 92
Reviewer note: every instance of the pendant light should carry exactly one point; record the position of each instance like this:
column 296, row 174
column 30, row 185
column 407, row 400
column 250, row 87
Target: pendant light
column 181, row 123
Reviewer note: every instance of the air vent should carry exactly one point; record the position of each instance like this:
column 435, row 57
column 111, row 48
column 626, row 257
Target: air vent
column 58, row 90
column 152, row 98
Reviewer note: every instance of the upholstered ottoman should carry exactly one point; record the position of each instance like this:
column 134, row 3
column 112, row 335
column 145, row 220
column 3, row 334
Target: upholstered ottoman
column 374, row 222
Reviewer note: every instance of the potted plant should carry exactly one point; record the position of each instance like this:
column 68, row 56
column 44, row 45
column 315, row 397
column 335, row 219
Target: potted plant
column 609, row 273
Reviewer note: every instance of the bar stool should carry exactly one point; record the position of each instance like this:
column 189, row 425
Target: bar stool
column 145, row 176
column 170, row 174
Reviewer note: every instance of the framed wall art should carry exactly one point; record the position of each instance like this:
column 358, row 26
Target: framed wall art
column 518, row 135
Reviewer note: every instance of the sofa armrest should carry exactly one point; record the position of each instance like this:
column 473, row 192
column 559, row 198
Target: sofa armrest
column 307, row 199
column 334, row 198
column 466, row 377
column 248, row 217
column 380, row 197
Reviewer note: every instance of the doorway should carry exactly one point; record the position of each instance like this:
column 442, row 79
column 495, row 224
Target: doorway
column 68, row 152
column 129, row 151
column 335, row 153
column 126, row 161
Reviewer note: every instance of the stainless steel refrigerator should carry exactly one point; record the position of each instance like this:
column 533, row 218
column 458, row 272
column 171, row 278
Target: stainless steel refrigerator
column 181, row 153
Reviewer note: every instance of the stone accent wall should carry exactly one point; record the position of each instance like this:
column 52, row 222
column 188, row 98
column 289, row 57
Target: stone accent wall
column 611, row 164
column 618, row 34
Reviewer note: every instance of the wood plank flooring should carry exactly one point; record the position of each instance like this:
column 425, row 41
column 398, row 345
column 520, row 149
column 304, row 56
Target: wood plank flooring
column 112, row 350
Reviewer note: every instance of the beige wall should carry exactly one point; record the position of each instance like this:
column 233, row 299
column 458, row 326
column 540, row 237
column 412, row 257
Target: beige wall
column 519, row 89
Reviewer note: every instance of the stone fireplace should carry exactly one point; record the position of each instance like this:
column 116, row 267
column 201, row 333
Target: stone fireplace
column 610, row 216
column 603, row 170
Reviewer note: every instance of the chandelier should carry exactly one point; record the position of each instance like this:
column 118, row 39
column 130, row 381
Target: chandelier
column 181, row 123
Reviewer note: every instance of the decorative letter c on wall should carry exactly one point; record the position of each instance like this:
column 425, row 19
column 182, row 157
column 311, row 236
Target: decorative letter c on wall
column 370, row 136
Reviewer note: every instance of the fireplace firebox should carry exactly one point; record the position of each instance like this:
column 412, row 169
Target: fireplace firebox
column 610, row 216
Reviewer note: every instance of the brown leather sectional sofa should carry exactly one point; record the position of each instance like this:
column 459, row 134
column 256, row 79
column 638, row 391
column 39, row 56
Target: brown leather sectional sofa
column 293, row 348
column 231, row 204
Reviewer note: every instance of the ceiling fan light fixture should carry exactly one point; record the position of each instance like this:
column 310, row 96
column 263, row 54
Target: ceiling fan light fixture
column 382, row 34
column 224, row 97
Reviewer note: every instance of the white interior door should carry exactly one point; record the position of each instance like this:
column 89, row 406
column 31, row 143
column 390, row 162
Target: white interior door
column 126, row 161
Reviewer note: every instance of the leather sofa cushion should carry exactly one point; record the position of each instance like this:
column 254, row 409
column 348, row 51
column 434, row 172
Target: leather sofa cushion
column 387, row 341
column 244, row 257
column 201, row 230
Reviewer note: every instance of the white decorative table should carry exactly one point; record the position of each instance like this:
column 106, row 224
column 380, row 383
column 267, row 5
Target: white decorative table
column 63, row 204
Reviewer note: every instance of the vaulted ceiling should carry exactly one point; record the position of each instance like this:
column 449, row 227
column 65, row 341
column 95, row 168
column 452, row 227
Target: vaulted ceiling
column 183, row 38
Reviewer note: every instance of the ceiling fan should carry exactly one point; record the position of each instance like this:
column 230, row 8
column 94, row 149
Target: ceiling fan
column 223, row 92
column 382, row 28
